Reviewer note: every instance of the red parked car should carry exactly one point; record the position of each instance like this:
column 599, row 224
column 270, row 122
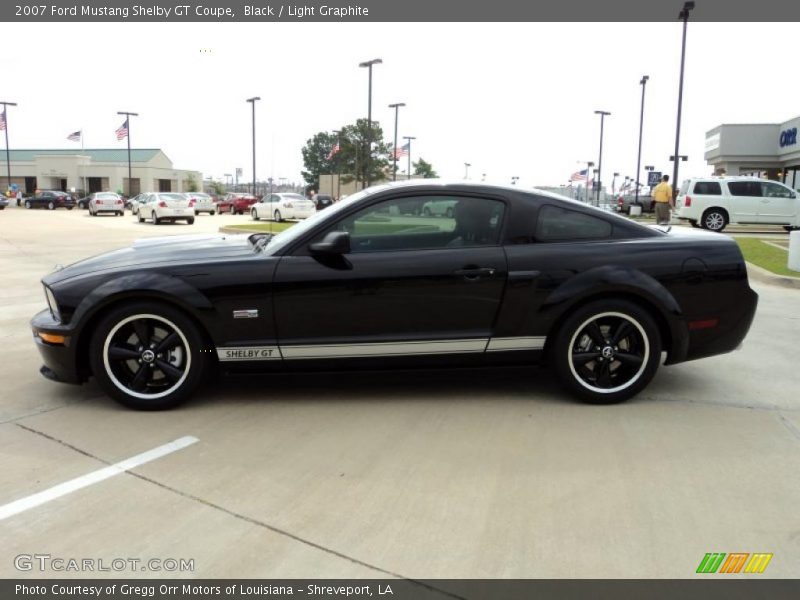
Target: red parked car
column 236, row 203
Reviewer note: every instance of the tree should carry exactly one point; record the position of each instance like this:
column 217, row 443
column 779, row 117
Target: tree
column 218, row 187
column 315, row 157
column 349, row 160
column 191, row 183
column 425, row 169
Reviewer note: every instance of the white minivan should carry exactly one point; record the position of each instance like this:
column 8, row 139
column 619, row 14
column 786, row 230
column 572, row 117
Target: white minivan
column 713, row 202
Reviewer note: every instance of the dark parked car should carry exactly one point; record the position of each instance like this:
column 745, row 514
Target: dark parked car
column 50, row 199
column 323, row 201
column 513, row 277
column 3, row 202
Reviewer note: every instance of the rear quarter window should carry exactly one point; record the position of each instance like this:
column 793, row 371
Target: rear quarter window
column 708, row 188
column 745, row 188
column 561, row 224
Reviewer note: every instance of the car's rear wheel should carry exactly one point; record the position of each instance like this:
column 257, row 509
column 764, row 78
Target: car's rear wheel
column 277, row 216
column 254, row 214
column 233, row 210
column 212, row 213
column 714, row 219
column 27, row 203
column 190, row 221
column 156, row 220
column 607, row 351
column 147, row 356
column 51, row 206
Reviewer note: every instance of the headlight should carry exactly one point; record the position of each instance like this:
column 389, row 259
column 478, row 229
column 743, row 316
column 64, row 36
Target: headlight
column 52, row 304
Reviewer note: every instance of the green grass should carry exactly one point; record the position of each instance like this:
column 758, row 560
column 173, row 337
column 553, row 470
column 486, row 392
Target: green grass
column 262, row 227
column 765, row 256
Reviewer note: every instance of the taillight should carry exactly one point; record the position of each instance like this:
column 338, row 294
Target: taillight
column 99, row 201
column 119, row 201
column 620, row 201
column 687, row 201
column 162, row 204
column 191, row 202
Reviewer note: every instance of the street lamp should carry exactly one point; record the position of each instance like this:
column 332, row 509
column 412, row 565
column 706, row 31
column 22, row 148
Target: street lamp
column 614, row 184
column 368, row 64
column 227, row 175
column 252, row 102
column 643, row 83
column 466, row 170
column 338, row 134
column 603, row 114
column 408, row 139
column 589, row 166
column 396, row 108
column 128, row 116
column 514, row 180
column 684, row 16
column 8, row 153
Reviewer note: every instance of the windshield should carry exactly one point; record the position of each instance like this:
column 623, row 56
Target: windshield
column 286, row 238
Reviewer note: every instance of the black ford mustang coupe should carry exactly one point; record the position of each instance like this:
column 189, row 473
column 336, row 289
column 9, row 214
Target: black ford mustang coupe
column 504, row 276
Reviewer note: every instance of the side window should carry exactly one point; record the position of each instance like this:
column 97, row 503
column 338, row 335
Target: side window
column 561, row 224
column 745, row 188
column 773, row 190
column 708, row 188
column 423, row 222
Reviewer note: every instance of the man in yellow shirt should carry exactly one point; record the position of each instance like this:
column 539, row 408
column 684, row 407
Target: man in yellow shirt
column 662, row 195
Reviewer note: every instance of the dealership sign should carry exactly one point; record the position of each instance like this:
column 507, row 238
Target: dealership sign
column 788, row 137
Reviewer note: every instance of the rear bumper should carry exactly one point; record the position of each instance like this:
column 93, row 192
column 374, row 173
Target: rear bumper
column 175, row 213
column 60, row 361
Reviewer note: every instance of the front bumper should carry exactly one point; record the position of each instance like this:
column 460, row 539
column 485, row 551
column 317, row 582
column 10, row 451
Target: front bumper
column 60, row 360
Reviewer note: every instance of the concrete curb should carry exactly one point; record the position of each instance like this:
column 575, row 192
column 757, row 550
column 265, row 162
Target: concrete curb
column 764, row 276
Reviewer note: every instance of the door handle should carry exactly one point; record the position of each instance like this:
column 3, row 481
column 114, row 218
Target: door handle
column 473, row 274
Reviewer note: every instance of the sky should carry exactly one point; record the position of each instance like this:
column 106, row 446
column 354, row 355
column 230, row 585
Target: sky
column 511, row 99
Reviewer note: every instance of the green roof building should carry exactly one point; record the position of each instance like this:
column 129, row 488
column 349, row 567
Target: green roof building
column 97, row 170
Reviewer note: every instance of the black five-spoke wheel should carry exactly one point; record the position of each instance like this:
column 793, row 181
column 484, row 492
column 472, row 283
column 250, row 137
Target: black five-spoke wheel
column 147, row 356
column 607, row 351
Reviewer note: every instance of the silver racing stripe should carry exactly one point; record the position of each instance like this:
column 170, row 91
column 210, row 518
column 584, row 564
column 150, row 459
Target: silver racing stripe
column 376, row 349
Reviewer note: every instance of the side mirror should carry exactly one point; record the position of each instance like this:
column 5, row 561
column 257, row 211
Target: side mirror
column 336, row 242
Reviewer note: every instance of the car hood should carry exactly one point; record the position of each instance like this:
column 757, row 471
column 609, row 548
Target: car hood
column 161, row 252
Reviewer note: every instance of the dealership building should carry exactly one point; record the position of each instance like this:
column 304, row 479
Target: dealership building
column 95, row 171
column 764, row 150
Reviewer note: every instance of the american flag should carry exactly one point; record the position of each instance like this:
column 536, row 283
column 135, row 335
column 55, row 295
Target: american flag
column 402, row 150
column 2, row 120
column 333, row 151
column 122, row 132
column 578, row 176
column 74, row 137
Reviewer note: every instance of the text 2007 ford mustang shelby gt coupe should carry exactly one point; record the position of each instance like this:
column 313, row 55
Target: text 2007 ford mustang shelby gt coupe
column 507, row 276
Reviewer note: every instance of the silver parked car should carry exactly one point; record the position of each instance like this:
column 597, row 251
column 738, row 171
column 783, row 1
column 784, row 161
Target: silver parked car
column 106, row 202
column 202, row 202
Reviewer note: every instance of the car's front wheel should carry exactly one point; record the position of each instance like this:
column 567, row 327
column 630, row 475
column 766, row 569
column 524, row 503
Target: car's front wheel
column 27, row 203
column 212, row 213
column 254, row 214
column 147, row 356
column 277, row 216
column 51, row 206
column 607, row 351
column 233, row 210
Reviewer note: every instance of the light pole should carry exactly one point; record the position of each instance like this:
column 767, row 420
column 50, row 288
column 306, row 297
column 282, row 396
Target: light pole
column 368, row 64
column 396, row 108
column 128, row 116
column 466, row 169
column 643, row 83
column 337, row 133
column 684, row 16
column 589, row 166
column 408, row 139
column 227, row 181
column 252, row 102
column 614, row 184
column 8, row 153
column 603, row 114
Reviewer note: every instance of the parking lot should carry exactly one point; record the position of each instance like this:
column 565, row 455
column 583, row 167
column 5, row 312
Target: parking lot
column 457, row 474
